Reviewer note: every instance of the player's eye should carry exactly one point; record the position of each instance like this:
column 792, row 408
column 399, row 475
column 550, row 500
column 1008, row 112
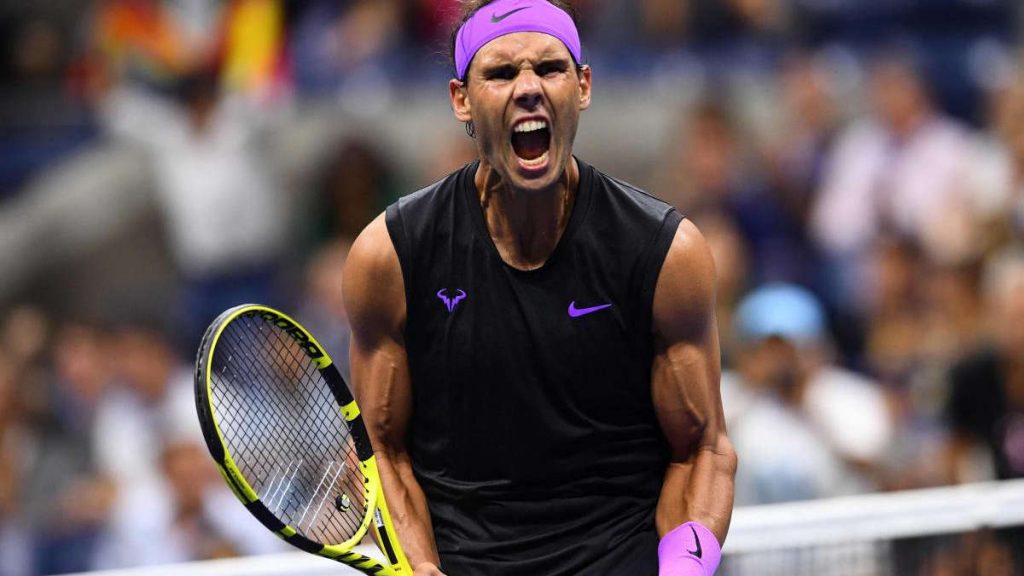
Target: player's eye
column 551, row 68
column 501, row 73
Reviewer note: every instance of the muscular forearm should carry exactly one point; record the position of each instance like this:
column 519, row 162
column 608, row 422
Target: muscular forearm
column 699, row 489
column 375, row 300
column 408, row 507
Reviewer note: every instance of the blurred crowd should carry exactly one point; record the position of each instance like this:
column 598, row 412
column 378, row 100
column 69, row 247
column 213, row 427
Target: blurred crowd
column 867, row 225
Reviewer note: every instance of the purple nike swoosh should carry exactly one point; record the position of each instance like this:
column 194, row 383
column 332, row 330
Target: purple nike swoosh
column 577, row 312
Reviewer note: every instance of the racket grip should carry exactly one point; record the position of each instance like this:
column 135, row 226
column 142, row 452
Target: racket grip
column 689, row 550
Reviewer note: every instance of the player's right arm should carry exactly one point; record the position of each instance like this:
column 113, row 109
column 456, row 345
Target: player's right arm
column 374, row 295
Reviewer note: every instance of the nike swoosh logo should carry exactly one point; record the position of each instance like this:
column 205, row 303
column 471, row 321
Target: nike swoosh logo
column 577, row 312
column 495, row 18
column 699, row 551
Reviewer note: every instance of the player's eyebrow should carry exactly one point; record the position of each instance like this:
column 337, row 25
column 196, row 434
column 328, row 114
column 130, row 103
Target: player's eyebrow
column 506, row 69
column 552, row 63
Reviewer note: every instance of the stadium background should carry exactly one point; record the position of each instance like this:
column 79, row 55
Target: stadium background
column 857, row 166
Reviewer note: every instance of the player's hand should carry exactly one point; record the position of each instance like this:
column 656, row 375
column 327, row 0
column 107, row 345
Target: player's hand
column 427, row 569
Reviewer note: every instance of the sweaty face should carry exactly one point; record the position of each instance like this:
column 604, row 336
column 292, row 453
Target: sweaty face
column 524, row 96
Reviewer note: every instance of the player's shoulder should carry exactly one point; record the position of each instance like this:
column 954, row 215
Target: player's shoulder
column 373, row 252
column 685, row 291
column 626, row 196
column 689, row 262
column 689, row 245
column 372, row 282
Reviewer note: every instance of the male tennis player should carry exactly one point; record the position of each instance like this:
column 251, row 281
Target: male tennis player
column 534, row 344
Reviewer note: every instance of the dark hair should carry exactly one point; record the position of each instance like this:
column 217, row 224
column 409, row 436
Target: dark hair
column 471, row 7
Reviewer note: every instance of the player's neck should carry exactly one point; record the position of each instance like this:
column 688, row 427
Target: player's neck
column 526, row 225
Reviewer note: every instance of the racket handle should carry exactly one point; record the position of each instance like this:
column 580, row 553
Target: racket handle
column 387, row 537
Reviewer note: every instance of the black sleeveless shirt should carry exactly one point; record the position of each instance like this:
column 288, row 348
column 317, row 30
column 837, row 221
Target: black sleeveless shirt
column 533, row 432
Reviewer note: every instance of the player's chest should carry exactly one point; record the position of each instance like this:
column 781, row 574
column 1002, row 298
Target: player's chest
column 570, row 314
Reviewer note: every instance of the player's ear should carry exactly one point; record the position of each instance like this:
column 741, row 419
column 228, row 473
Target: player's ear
column 460, row 100
column 585, row 85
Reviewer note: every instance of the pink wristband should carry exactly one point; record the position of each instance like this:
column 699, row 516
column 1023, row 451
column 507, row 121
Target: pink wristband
column 689, row 550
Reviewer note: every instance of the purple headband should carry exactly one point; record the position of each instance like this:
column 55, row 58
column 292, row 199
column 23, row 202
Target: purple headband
column 507, row 16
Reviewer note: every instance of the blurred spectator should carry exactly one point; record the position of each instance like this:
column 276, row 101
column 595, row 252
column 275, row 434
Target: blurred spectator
column 806, row 127
column 40, row 119
column 357, row 183
column 918, row 311
column 337, row 44
column 65, row 499
column 725, row 31
column 196, row 84
column 729, row 250
column 224, row 212
column 25, row 334
column 802, row 427
column 900, row 171
column 736, row 21
column 322, row 309
column 705, row 167
column 14, row 549
column 999, row 182
column 186, row 514
column 710, row 173
column 920, row 317
column 997, row 553
column 949, row 33
column 454, row 151
column 168, row 504
column 894, row 314
column 653, row 26
column 984, row 552
column 153, row 399
column 986, row 402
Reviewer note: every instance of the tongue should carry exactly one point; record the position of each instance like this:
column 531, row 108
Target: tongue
column 530, row 145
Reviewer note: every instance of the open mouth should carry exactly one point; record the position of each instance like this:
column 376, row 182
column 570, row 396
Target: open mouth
column 531, row 140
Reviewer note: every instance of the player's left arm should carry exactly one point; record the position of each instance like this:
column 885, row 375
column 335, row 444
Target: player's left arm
column 697, row 494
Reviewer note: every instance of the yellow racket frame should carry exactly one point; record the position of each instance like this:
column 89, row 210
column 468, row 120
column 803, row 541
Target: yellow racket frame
column 377, row 514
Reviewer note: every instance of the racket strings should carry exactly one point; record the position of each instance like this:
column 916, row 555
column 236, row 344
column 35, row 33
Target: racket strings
column 284, row 431
column 288, row 487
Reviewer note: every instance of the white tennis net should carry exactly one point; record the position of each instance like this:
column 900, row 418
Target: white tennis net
column 975, row 529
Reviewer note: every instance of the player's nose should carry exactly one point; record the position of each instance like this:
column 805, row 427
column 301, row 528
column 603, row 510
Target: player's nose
column 528, row 91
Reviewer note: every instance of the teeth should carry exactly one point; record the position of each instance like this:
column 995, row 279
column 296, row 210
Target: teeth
column 530, row 126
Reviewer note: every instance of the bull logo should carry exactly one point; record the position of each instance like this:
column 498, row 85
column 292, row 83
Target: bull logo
column 451, row 303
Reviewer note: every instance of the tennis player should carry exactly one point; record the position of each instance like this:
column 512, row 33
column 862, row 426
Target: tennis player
column 534, row 344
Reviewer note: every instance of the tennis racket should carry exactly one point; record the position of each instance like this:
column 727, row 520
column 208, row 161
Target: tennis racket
column 283, row 428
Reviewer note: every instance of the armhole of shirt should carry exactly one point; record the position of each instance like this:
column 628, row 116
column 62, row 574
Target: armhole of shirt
column 656, row 253
column 396, row 229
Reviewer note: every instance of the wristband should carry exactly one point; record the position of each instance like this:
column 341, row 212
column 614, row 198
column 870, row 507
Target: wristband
column 689, row 550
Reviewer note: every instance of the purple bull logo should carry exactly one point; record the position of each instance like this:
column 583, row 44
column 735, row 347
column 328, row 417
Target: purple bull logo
column 451, row 303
